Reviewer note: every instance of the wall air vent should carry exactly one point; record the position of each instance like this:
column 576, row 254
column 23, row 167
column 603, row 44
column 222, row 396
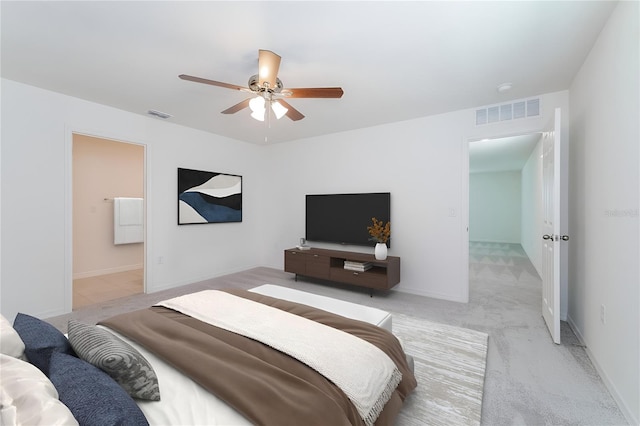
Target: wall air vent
column 159, row 114
column 507, row 112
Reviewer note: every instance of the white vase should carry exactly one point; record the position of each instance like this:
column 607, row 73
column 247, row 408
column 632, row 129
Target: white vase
column 380, row 251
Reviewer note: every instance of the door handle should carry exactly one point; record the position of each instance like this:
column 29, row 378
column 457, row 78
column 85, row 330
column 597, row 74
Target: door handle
column 555, row 237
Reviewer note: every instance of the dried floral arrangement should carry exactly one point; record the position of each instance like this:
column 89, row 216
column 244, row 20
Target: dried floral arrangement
column 379, row 231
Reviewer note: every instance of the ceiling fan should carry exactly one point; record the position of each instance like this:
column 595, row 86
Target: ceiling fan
column 268, row 90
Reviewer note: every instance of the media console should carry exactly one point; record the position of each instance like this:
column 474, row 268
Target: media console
column 329, row 265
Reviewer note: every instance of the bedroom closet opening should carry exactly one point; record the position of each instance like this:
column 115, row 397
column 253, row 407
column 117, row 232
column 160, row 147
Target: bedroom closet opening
column 108, row 219
column 505, row 217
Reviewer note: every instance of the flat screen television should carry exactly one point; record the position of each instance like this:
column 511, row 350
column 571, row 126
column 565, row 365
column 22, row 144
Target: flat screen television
column 344, row 218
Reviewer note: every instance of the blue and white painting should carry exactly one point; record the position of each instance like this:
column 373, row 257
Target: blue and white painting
column 208, row 197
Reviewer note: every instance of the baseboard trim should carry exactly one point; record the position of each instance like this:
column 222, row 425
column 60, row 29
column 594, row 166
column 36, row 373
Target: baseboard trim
column 419, row 292
column 494, row 241
column 603, row 375
column 151, row 288
column 89, row 274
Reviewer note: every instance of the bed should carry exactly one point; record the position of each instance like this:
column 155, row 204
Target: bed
column 205, row 371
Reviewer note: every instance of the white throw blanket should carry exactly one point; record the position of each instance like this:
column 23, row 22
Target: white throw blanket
column 361, row 370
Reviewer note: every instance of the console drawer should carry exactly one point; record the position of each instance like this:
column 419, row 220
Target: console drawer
column 295, row 262
column 369, row 278
column 317, row 266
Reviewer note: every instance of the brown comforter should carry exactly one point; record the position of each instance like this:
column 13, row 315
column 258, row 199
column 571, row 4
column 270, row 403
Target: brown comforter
column 267, row 386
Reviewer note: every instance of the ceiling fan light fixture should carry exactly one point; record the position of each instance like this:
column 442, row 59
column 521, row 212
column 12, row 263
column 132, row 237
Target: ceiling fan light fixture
column 258, row 115
column 278, row 109
column 257, row 104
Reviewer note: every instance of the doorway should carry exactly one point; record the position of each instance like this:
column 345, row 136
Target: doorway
column 505, row 212
column 106, row 173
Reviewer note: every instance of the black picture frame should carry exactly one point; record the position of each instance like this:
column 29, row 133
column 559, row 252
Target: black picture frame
column 208, row 197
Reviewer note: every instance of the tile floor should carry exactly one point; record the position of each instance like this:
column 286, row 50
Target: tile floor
column 102, row 288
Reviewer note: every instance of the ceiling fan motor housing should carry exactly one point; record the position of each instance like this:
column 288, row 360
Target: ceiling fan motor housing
column 254, row 85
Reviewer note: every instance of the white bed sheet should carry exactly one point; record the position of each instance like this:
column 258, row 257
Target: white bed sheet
column 182, row 401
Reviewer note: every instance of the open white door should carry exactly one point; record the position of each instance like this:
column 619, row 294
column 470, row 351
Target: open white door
column 552, row 256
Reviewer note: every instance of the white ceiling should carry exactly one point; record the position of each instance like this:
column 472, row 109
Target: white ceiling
column 395, row 60
column 501, row 155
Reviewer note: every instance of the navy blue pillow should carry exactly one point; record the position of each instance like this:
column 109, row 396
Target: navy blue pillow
column 94, row 398
column 40, row 339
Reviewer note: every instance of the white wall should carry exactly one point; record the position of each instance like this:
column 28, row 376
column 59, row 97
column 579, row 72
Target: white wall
column 495, row 207
column 532, row 216
column 36, row 204
column 421, row 167
column 425, row 171
column 604, row 206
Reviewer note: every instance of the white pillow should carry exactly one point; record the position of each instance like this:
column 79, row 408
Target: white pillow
column 10, row 342
column 27, row 396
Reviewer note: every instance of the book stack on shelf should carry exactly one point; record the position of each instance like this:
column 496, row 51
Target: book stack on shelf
column 357, row 266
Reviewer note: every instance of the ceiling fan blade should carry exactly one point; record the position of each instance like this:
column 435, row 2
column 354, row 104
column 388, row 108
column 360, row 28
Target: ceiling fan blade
column 317, row 92
column 237, row 107
column 268, row 66
column 211, row 82
column 292, row 113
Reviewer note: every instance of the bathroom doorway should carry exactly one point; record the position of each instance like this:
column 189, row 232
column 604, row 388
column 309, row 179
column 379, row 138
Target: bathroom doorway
column 106, row 173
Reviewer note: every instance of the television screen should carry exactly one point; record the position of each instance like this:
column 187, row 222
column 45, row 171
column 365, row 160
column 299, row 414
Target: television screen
column 344, row 218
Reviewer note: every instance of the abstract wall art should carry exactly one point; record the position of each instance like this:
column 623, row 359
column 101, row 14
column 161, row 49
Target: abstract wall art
column 208, row 197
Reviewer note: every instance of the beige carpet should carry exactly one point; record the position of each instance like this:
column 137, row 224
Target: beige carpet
column 449, row 366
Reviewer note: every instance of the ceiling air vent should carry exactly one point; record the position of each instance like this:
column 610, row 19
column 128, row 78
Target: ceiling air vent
column 158, row 114
column 507, row 112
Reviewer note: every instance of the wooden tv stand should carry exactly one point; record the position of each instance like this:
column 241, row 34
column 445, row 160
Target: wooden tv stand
column 329, row 265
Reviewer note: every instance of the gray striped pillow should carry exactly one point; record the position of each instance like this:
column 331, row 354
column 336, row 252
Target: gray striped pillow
column 115, row 357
